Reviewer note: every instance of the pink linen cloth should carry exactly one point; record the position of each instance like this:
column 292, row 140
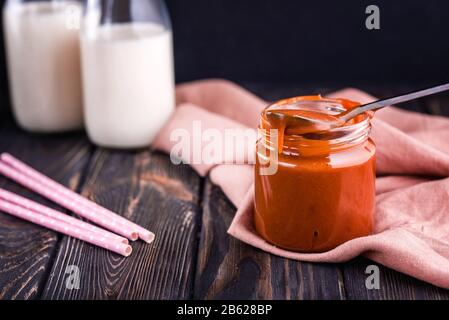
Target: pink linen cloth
column 412, row 206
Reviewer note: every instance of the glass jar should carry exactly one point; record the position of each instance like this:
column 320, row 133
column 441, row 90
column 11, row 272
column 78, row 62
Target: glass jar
column 42, row 46
column 314, row 191
column 128, row 73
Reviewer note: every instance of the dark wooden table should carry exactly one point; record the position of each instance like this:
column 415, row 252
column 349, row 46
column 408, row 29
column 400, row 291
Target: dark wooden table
column 192, row 256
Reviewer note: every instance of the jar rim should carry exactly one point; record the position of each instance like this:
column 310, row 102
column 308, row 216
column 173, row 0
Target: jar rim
column 348, row 135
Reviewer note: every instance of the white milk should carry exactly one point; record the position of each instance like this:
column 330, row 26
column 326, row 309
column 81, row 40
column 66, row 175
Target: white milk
column 128, row 83
column 44, row 65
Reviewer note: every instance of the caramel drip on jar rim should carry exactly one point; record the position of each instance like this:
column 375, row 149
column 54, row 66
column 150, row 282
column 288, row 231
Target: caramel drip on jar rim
column 305, row 115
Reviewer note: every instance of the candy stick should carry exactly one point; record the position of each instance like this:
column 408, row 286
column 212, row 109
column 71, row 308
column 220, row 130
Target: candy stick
column 20, row 178
column 65, row 228
column 73, row 196
column 36, row 207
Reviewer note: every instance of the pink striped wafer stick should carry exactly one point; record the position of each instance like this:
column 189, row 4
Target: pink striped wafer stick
column 65, row 228
column 51, row 184
column 36, row 207
column 82, row 211
column 143, row 233
column 39, row 177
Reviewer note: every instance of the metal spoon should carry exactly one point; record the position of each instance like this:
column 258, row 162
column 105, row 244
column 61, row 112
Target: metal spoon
column 326, row 122
column 348, row 115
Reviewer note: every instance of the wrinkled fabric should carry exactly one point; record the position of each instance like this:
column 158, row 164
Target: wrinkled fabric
column 411, row 233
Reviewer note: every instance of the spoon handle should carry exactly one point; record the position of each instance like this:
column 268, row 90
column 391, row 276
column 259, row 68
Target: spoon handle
column 395, row 100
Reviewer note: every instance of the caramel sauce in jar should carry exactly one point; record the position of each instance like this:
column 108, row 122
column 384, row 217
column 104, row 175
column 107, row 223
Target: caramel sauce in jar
column 314, row 189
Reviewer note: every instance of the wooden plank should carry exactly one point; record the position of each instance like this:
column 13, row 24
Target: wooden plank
column 146, row 188
column 393, row 285
column 26, row 250
column 230, row 269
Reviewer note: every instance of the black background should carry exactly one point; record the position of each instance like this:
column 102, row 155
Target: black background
column 311, row 41
column 320, row 42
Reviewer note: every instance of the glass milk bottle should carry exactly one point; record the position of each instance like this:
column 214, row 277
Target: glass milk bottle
column 43, row 54
column 128, row 73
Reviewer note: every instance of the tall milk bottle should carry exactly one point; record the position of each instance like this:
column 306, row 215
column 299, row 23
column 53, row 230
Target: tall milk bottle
column 128, row 73
column 43, row 54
